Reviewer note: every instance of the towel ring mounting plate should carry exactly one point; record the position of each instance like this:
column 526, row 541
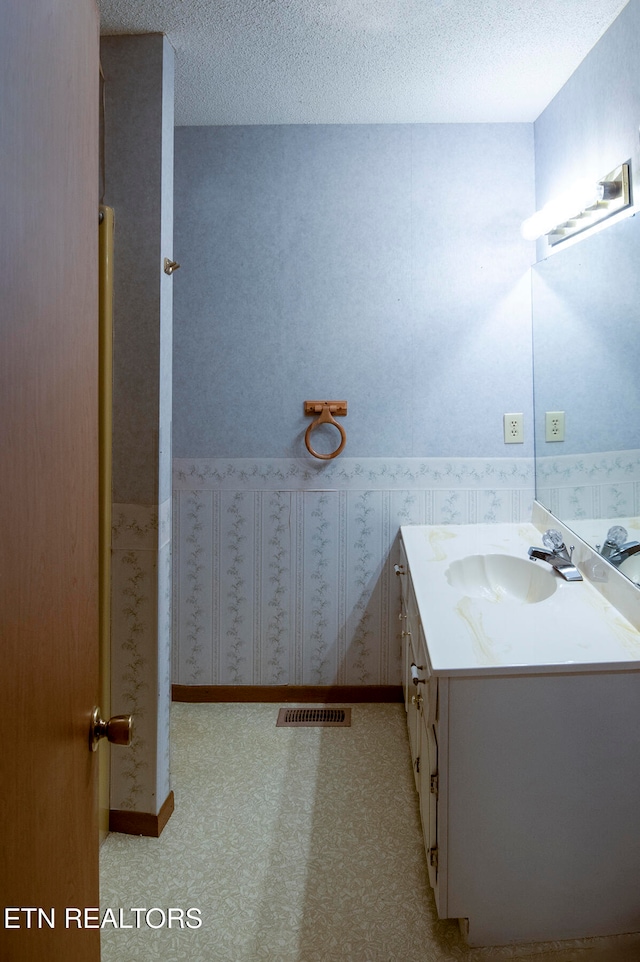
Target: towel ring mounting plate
column 325, row 411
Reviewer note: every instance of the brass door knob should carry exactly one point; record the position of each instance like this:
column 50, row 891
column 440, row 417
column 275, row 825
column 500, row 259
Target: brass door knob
column 118, row 730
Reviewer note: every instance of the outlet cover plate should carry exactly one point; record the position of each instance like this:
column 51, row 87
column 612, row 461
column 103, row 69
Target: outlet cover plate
column 554, row 426
column 513, row 429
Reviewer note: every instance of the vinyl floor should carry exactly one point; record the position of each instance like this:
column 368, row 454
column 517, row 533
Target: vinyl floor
column 291, row 845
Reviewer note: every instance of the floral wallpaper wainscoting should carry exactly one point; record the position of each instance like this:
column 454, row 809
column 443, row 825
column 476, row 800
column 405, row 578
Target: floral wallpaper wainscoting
column 283, row 569
column 599, row 485
column 141, row 652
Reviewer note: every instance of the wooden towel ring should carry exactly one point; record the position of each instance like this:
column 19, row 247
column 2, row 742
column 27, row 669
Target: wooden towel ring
column 326, row 409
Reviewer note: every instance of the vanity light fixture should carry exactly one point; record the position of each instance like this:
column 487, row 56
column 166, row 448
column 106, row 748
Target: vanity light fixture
column 581, row 207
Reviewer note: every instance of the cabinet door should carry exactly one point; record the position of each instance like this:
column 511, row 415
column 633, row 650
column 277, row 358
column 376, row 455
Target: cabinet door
column 414, row 717
column 429, row 795
column 407, row 656
column 415, row 664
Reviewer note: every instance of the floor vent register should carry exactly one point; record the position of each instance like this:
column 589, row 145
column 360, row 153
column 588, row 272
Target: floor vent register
column 314, row 718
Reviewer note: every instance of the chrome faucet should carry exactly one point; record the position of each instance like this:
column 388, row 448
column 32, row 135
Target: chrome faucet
column 556, row 554
column 616, row 548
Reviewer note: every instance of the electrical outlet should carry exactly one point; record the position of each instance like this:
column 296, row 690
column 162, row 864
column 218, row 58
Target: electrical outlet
column 554, row 426
column 513, row 429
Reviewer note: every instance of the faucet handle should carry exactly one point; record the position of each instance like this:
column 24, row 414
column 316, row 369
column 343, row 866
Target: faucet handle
column 552, row 539
column 616, row 535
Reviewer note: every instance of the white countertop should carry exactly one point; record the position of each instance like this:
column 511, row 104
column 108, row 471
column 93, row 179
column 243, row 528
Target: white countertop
column 574, row 629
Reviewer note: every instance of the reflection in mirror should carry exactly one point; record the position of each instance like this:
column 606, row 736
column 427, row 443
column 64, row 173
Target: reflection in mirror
column 586, row 351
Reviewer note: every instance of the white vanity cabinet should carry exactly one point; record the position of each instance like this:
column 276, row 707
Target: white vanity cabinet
column 420, row 688
column 528, row 778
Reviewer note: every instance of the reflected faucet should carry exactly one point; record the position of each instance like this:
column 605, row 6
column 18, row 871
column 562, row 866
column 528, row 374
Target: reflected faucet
column 556, row 554
column 616, row 548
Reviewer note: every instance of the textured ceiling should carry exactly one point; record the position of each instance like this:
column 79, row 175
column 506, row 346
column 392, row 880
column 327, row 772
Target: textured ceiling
column 366, row 61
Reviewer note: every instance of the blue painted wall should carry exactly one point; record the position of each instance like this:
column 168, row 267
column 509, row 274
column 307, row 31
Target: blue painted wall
column 591, row 125
column 585, row 296
column 380, row 264
column 139, row 122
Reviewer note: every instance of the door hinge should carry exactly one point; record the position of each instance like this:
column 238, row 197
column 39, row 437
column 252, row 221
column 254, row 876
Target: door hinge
column 433, row 857
column 433, row 784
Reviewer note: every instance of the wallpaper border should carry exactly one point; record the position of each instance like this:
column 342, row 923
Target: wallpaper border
column 355, row 474
column 599, row 485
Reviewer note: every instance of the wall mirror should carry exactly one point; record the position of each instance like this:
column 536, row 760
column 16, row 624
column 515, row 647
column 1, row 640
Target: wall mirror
column 586, row 354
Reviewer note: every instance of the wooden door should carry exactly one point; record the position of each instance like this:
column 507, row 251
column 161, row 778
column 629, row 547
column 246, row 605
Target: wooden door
column 49, row 69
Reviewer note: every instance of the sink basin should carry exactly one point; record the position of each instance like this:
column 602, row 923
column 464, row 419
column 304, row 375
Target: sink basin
column 501, row 577
column 631, row 568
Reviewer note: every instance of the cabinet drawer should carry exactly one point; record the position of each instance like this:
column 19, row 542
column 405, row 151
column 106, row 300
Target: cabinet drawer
column 402, row 570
